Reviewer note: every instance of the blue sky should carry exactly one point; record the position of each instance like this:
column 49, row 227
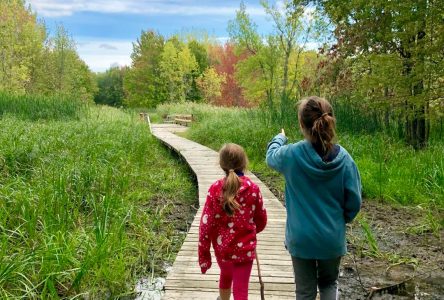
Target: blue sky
column 105, row 29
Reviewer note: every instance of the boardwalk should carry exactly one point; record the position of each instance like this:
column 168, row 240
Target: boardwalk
column 185, row 280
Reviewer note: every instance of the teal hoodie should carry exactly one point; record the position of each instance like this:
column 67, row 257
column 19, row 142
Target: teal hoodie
column 320, row 197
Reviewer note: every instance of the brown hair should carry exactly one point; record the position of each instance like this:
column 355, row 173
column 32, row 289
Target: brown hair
column 318, row 123
column 232, row 159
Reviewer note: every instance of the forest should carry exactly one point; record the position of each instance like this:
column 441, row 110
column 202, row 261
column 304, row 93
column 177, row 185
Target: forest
column 90, row 202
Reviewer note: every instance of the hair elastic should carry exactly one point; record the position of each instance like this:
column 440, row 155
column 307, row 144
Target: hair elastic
column 324, row 114
column 231, row 170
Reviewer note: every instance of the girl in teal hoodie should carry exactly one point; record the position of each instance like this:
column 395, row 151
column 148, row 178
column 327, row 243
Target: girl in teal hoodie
column 322, row 194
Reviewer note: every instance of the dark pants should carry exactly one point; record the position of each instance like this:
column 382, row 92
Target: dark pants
column 310, row 274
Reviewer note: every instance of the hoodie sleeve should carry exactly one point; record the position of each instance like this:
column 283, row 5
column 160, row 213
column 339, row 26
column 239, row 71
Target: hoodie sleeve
column 353, row 193
column 276, row 152
column 205, row 232
column 260, row 213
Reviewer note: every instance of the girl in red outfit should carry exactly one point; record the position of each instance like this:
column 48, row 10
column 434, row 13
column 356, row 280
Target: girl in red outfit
column 233, row 214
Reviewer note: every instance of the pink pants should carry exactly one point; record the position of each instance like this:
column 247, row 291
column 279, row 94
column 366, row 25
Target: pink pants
column 236, row 274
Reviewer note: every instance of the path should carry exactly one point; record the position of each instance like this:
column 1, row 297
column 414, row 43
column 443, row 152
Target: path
column 185, row 281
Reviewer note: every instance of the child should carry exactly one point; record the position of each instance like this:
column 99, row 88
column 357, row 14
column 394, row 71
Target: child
column 322, row 194
column 233, row 214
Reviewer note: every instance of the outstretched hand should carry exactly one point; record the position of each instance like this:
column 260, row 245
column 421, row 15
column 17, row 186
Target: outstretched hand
column 283, row 132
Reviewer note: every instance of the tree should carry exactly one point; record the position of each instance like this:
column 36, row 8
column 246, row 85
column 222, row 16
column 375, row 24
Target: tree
column 210, row 83
column 260, row 74
column 64, row 73
column 177, row 66
column 271, row 70
column 32, row 62
column 224, row 61
column 248, row 43
column 142, row 82
column 110, row 87
column 200, row 54
column 408, row 36
column 21, row 47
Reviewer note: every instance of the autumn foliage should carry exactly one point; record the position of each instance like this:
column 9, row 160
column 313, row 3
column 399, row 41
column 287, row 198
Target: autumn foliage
column 224, row 61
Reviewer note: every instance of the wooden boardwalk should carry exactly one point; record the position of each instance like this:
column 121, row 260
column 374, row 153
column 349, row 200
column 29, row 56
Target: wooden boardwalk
column 185, row 281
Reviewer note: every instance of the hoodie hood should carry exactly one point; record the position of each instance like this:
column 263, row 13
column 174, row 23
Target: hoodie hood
column 245, row 185
column 312, row 164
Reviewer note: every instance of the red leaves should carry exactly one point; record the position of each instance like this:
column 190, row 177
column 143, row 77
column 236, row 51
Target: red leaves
column 224, row 61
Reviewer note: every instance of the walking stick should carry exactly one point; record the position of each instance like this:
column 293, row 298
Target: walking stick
column 260, row 277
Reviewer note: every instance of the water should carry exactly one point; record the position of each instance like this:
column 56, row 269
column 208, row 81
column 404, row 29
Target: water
column 150, row 289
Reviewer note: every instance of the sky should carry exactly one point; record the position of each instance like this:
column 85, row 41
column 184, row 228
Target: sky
column 105, row 29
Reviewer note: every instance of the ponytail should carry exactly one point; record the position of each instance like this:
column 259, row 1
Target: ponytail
column 323, row 132
column 231, row 186
column 318, row 123
column 232, row 160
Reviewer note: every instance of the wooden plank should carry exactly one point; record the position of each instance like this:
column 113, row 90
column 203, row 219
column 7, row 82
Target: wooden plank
column 184, row 282
column 211, row 294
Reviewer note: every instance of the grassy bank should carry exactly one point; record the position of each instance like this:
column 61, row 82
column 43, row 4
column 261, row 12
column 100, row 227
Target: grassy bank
column 85, row 203
column 390, row 170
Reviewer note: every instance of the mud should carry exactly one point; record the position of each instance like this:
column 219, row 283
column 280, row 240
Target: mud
column 408, row 254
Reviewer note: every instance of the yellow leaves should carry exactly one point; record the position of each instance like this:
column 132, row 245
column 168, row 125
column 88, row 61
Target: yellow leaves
column 177, row 66
column 210, row 85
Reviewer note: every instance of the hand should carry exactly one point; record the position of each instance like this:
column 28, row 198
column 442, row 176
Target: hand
column 283, row 132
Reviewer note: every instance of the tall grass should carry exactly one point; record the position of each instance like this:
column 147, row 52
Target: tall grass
column 84, row 205
column 389, row 169
column 31, row 107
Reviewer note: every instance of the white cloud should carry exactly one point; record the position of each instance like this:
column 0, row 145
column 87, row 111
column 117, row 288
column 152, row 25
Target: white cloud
column 223, row 39
column 58, row 8
column 107, row 47
column 312, row 45
column 100, row 58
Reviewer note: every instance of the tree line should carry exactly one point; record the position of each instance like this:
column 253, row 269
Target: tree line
column 380, row 62
column 35, row 62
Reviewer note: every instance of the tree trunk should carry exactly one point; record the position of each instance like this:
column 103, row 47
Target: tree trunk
column 416, row 121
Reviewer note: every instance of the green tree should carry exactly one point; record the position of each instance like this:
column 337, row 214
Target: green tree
column 200, row 54
column 271, row 70
column 110, row 87
column 177, row 67
column 261, row 60
column 142, row 83
column 64, row 73
column 408, row 36
column 21, row 47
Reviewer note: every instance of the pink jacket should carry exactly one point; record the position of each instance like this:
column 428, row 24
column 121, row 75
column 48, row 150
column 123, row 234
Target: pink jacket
column 233, row 237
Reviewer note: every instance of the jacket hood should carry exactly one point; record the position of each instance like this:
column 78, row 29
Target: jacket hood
column 313, row 165
column 246, row 184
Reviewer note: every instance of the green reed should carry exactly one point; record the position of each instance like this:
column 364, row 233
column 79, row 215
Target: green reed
column 32, row 107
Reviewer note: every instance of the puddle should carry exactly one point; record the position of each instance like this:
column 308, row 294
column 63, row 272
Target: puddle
column 151, row 288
